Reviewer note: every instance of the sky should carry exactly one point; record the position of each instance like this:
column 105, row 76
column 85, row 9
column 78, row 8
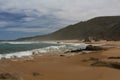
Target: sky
column 22, row 18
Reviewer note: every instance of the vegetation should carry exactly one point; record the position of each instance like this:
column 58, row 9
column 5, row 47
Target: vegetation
column 107, row 28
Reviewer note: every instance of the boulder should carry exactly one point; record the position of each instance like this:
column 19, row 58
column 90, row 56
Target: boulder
column 7, row 76
column 93, row 48
column 74, row 51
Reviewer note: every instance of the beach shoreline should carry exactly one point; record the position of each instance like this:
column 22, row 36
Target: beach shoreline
column 53, row 48
column 64, row 67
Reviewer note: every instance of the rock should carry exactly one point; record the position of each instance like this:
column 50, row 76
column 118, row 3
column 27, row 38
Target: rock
column 62, row 55
column 14, row 57
column 115, row 65
column 36, row 74
column 106, row 64
column 113, row 57
column 3, row 58
column 93, row 48
column 90, row 59
column 94, row 59
column 99, row 63
column 58, row 42
column 35, row 52
column 74, row 51
column 87, row 39
column 27, row 58
column 5, row 76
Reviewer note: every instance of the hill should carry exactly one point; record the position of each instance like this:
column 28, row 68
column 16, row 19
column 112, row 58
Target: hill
column 107, row 28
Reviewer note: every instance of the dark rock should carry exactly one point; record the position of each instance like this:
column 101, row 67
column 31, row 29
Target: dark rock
column 74, row 51
column 8, row 76
column 93, row 48
column 58, row 42
column 62, row 55
column 113, row 57
column 36, row 74
column 94, row 59
column 115, row 65
column 98, row 63
column 87, row 39
column 90, row 59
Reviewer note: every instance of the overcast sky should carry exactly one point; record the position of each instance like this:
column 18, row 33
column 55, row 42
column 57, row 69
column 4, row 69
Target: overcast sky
column 21, row 18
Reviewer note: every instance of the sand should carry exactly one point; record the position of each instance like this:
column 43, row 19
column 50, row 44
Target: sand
column 57, row 67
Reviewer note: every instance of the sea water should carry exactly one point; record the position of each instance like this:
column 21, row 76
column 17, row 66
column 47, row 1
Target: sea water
column 19, row 49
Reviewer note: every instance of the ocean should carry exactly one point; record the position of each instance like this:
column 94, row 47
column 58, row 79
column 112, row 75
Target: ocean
column 19, row 49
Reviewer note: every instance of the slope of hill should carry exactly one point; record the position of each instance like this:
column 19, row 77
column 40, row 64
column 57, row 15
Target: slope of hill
column 107, row 28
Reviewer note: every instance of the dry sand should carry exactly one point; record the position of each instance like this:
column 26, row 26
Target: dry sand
column 57, row 67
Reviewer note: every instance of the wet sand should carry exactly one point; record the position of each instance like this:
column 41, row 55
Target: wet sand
column 57, row 67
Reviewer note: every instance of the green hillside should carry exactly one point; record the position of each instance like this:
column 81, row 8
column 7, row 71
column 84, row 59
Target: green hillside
column 107, row 28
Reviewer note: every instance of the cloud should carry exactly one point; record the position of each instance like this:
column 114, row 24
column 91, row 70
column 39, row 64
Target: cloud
column 63, row 9
column 27, row 19
column 44, row 16
column 29, row 30
column 70, row 11
column 3, row 23
column 8, row 16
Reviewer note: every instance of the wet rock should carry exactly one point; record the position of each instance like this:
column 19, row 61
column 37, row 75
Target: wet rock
column 35, row 53
column 14, row 57
column 62, row 55
column 94, row 48
column 74, row 51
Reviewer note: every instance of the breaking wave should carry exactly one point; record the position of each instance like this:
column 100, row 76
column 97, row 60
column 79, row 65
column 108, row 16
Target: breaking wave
column 46, row 50
column 51, row 49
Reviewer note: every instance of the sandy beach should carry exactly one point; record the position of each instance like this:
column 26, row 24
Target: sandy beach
column 63, row 67
column 59, row 39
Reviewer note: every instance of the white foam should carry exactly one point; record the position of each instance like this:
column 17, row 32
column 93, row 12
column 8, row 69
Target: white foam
column 17, row 54
column 52, row 49
column 19, row 42
column 29, row 53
